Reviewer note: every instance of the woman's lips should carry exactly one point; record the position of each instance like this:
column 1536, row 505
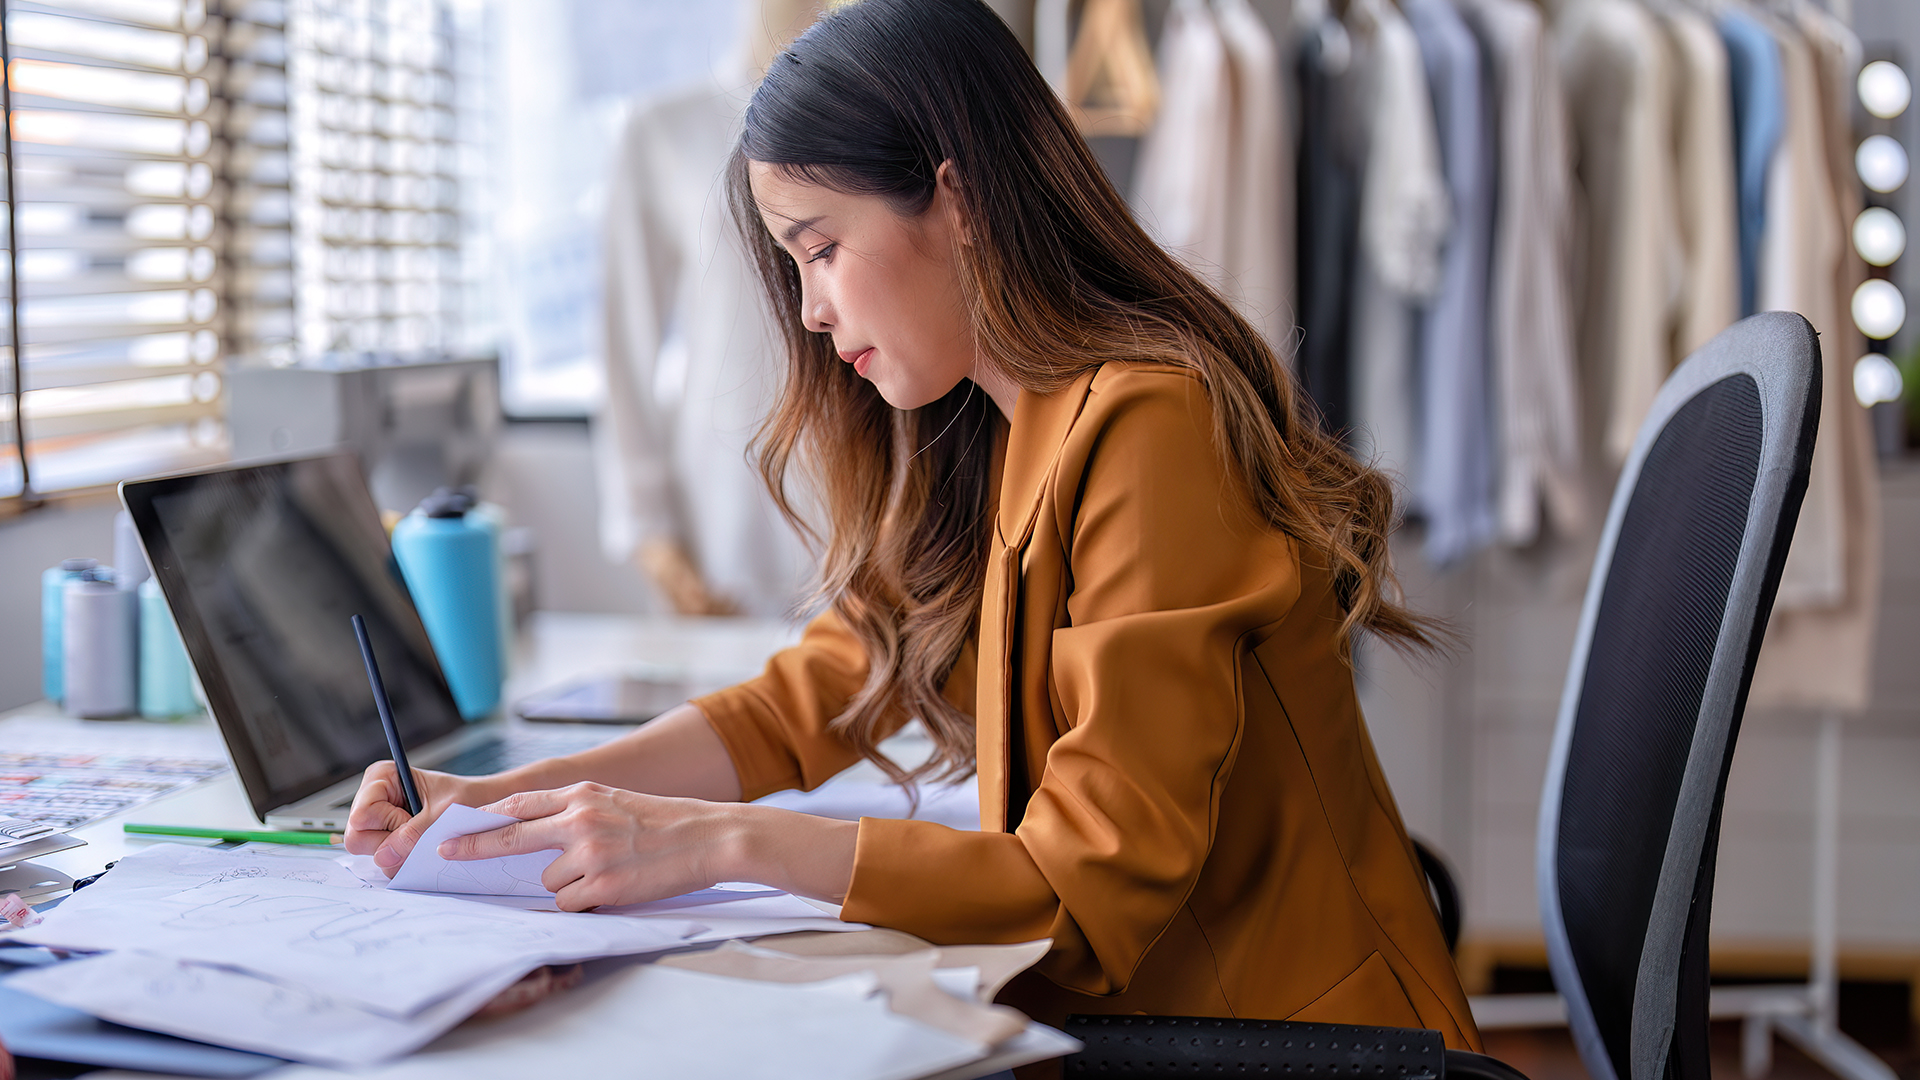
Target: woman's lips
column 859, row 360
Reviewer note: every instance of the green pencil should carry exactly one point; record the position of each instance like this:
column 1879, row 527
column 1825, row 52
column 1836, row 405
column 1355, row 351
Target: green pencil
column 241, row 835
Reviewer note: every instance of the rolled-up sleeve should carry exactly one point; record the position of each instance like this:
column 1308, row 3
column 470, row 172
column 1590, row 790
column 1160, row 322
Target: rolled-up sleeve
column 1173, row 576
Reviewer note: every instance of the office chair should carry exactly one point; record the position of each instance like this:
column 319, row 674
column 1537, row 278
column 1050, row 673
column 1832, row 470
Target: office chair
column 1675, row 610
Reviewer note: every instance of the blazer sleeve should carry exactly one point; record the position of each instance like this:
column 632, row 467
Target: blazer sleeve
column 776, row 725
column 1173, row 576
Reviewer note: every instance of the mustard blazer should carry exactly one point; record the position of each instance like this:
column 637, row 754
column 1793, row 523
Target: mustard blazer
column 1176, row 784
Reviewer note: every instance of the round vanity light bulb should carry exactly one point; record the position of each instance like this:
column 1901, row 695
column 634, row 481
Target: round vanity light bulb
column 1879, row 236
column 1882, row 163
column 1878, row 309
column 1884, row 89
column 1876, row 379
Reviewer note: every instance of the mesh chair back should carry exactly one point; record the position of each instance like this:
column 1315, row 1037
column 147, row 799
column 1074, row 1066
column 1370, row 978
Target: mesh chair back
column 1681, row 589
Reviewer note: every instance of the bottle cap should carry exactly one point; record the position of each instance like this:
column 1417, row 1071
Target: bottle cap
column 448, row 503
column 74, row 566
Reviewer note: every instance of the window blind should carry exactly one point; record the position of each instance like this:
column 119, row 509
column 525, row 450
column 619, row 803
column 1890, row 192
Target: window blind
column 204, row 184
column 376, row 167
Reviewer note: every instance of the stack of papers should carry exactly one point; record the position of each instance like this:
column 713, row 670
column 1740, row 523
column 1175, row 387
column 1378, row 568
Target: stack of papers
column 21, row 839
column 305, row 959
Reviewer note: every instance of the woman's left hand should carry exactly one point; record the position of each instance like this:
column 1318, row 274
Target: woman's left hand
column 622, row 847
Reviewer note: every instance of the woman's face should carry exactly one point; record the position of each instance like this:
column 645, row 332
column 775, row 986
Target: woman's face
column 886, row 287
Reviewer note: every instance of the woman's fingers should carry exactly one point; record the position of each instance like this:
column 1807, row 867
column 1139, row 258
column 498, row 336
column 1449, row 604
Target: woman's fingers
column 528, row 805
column 375, row 812
column 518, row 838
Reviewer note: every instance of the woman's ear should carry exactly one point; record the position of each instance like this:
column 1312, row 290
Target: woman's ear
column 946, row 183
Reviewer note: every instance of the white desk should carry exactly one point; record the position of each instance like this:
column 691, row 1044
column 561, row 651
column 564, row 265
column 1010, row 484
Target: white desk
column 556, row 647
column 707, row 653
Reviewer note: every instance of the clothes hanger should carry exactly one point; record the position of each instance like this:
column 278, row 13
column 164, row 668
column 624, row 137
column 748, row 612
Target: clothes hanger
column 1111, row 85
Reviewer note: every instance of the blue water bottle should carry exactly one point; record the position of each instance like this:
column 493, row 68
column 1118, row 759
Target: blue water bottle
column 450, row 560
column 166, row 675
column 53, row 608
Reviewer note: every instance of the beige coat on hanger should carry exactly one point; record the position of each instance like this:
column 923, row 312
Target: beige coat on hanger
column 1822, row 657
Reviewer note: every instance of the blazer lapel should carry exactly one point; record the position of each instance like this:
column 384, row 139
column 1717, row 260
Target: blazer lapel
column 1038, row 430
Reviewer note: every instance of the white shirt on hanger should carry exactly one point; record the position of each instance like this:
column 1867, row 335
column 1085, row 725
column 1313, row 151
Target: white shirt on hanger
column 1405, row 212
column 693, row 364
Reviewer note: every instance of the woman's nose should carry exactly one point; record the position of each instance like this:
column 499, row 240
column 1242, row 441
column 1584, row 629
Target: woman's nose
column 816, row 316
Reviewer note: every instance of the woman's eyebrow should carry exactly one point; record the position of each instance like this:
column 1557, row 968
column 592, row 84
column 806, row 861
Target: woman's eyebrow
column 794, row 230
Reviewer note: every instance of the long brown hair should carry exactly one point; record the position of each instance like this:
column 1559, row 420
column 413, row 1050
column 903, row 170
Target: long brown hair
column 1060, row 280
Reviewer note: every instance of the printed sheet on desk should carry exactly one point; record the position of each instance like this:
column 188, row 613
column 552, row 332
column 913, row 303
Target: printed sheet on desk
column 302, row 958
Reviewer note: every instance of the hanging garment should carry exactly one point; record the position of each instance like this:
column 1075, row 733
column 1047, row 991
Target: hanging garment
column 1799, row 261
column 691, row 359
column 1260, row 246
column 1457, row 422
column 1530, row 337
column 1184, row 181
column 1753, row 69
column 1822, row 657
column 1328, row 218
column 1404, row 215
column 1709, row 300
column 1617, row 73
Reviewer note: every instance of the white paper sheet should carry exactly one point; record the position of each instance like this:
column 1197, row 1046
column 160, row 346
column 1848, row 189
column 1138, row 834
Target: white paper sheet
column 396, row 952
column 164, row 869
column 657, row 1021
column 509, row 875
column 233, row 1008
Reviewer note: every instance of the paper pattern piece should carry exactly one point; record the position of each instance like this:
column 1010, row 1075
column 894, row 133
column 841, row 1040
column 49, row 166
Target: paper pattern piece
column 297, row 956
column 391, row 951
column 508, row 875
column 664, row 1022
column 243, row 1011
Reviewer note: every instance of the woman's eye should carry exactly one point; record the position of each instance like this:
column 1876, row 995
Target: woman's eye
column 825, row 250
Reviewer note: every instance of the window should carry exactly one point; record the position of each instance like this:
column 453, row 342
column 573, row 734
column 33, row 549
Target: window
column 378, row 158
column 199, row 185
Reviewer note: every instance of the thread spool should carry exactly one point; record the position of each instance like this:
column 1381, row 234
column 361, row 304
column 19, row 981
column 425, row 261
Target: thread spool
column 129, row 554
column 53, row 607
column 100, row 641
column 166, row 675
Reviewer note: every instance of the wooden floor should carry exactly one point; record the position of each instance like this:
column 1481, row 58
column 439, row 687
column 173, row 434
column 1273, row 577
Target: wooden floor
column 1875, row 1014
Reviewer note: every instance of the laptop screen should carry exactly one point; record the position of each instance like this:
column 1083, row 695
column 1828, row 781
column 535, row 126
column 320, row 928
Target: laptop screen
column 264, row 567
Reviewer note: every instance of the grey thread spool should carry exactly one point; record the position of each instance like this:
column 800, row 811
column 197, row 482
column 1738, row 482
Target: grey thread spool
column 101, row 642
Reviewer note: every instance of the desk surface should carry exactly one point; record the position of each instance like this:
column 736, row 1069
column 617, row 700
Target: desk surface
column 556, row 647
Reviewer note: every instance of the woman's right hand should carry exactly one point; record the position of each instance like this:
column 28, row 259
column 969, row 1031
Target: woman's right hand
column 379, row 824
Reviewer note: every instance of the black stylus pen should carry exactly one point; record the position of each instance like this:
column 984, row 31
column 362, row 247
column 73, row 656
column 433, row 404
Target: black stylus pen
column 381, row 703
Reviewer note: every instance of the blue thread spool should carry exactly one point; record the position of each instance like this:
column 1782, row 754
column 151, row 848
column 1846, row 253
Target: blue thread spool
column 53, row 608
column 450, row 560
column 166, row 675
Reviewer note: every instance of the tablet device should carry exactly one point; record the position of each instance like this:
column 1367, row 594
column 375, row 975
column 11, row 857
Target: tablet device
column 604, row 699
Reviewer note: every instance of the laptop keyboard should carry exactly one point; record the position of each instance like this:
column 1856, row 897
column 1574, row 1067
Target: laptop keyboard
column 521, row 748
column 515, row 749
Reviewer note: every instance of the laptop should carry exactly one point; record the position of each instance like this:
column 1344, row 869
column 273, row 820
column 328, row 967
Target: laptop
column 264, row 566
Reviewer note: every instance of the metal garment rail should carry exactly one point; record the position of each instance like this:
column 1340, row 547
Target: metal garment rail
column 1804, row 1014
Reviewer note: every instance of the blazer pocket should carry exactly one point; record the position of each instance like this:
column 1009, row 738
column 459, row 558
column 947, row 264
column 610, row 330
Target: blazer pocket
column 1370, row 994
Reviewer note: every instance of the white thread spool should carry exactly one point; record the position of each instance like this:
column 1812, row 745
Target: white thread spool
column 101, row 642
column 129, row 555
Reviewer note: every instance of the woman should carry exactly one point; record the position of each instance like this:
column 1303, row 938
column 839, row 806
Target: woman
column 1079, row 521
